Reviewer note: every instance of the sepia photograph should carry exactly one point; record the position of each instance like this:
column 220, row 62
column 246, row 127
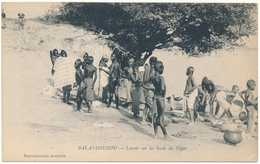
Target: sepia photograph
column 129, row 81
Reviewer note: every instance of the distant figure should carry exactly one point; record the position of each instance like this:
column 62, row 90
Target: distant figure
column 20, row 20
column 249, row 102
column 3, row 18
column 3, row 14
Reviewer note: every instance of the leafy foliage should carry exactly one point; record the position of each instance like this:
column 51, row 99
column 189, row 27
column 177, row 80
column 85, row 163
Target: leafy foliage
column 140, row 28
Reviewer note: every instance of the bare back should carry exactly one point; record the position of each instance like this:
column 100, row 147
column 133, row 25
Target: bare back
column 89, row 71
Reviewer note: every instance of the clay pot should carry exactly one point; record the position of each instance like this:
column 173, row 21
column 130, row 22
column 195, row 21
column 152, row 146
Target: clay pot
column 228, row 126
column 233, row 137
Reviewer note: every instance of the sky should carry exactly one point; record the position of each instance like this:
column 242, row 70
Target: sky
column 30, row 9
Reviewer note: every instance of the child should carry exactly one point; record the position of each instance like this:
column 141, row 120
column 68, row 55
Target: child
column 78, row 74
column 190, row 92
column 79, row 78
column 159, row 99
column 249, row 102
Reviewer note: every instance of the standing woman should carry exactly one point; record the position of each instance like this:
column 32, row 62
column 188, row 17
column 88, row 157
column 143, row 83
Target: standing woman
column 135, row 90
column 103, row 79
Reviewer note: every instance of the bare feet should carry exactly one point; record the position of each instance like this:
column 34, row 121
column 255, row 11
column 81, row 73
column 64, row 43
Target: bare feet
column 90, row 110
column 166, row 137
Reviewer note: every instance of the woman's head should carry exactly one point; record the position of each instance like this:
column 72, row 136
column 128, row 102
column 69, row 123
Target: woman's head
column 131, row 62
column 158, row 66
column 77, row 63
column 85, row 56
column 113, row 57
column 204, row 83
column 135, row 67
column 55, row 52
column 211, row 86
column 90, row 60
column 63, row 53
column 190, row 71
column 152, row 60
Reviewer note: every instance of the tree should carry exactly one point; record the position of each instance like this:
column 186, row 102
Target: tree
column 140, row 28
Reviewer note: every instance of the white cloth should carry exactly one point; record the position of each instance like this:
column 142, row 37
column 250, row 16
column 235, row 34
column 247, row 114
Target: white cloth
column 64, row 72
column 103, row 77
column 190, row 99
column 221, row 98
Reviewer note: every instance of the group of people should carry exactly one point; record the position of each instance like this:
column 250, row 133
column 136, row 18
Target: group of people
column 148, row 84
column 145, row 84
column 206, row 94
column 85, row 77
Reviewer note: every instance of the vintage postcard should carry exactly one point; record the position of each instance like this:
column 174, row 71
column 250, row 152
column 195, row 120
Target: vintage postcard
column 129, row 81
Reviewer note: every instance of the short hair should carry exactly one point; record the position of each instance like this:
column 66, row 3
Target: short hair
column 234, row 87
column 158, row 66
column 63, row 52
column 77, row 63
column 192, row 69
column 250, row 83
column 152, row 60
column 90, row 59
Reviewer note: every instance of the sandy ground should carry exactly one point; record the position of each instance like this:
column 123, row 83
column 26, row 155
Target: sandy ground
column 34, row 123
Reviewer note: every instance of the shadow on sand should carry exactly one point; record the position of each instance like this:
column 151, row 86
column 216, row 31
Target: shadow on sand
column 133, row 125
column 221, row 141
